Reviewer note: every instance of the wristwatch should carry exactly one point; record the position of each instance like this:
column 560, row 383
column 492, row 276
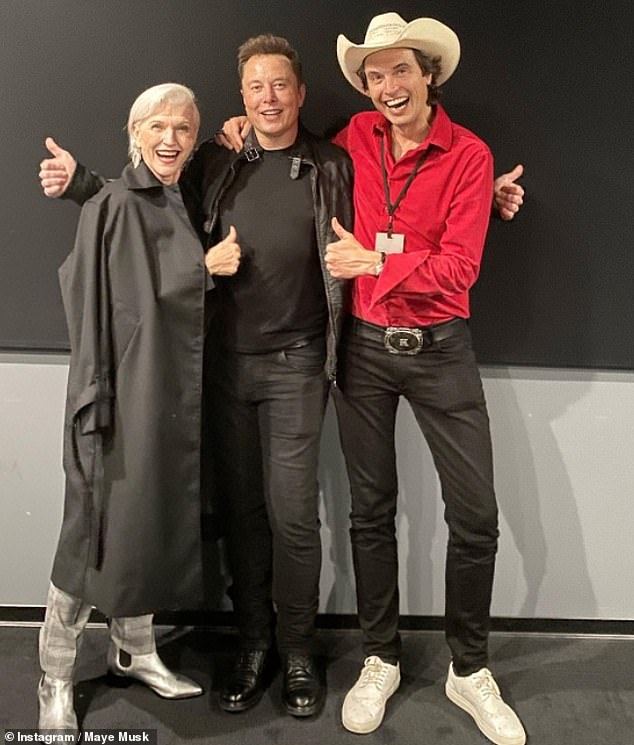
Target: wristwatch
column 378, row 267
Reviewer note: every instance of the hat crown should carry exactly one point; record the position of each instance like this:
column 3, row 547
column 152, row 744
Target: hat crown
column 384, row 29
column 390, row 31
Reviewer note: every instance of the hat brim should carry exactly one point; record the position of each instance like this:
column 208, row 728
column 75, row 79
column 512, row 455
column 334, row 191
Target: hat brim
column 427, row 34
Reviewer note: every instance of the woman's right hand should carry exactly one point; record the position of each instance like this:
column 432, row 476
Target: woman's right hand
column 56, row 172
column 223, row 259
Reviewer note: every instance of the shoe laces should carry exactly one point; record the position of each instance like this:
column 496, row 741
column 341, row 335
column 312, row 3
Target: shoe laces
column 374, row 673
column 249, row 655
column 303, row 661
column 248, row 660
column 485, row 684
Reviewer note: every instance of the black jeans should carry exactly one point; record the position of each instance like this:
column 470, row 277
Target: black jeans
column 268, row 411
column 442, row 384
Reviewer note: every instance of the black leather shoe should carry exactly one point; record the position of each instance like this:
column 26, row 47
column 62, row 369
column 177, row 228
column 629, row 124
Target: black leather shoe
column 246, row 682
column 302, row 691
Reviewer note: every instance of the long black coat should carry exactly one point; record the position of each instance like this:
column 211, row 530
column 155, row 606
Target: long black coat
column 134, row 297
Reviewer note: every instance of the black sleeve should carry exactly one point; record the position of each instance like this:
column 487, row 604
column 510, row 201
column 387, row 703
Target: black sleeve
column 83, row 185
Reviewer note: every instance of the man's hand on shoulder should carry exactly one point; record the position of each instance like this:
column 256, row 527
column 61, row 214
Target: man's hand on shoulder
column 57, row 172
column 508, row 196
column 232, row 133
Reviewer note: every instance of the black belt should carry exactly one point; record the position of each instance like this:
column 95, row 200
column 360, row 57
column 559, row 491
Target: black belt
column 405, row 340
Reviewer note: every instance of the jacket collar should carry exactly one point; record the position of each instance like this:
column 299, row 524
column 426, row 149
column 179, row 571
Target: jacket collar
column 252, row 149
column 140, row 177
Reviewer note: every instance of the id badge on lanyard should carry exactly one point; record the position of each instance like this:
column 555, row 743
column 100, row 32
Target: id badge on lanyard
column 390, row 242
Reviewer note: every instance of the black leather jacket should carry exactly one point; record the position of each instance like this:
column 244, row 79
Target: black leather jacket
column 213, row 168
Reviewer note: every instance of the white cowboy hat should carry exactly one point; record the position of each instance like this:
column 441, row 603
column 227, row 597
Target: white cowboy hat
column 388, row 31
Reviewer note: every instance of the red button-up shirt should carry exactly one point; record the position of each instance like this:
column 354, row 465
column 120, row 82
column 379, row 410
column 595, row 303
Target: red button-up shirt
column 444, row 217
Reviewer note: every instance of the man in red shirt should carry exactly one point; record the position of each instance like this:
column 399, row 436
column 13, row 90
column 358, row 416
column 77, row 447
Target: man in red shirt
column 422, row 200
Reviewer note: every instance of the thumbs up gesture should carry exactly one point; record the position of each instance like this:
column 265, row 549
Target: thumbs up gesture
column 224, row 258
column 347, row 258
column 56, row 172
column 508, row 196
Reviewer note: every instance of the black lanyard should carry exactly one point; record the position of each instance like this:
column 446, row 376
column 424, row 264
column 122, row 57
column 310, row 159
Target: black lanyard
column 391, row 208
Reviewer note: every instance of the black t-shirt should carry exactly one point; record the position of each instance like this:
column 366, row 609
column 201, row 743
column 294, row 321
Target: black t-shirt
column 277, row 296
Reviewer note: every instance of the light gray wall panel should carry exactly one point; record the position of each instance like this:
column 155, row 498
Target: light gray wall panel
column 563, row 442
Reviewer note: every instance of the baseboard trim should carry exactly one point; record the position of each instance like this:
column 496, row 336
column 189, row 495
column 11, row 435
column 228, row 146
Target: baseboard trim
column 34, row 615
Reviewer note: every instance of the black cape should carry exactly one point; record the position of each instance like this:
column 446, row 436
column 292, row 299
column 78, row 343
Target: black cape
column 134, row 296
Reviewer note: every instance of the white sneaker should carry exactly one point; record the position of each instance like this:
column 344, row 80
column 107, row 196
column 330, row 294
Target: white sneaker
column 479, row 695
column 364, row 705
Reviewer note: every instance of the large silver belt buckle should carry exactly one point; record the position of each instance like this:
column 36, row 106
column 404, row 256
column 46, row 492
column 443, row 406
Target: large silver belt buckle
column 400, row 340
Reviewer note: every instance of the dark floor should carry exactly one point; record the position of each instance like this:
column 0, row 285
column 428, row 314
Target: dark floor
column 568, row 690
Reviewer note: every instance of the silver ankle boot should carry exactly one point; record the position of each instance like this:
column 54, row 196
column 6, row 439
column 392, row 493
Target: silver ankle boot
column 149, row 669
column 56, row 705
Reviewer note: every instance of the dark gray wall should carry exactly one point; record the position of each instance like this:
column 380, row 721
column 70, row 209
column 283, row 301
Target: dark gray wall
column 547, row 83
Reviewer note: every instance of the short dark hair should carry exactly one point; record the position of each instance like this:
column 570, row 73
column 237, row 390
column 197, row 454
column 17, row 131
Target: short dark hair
column 269, row 44
column 427, row 65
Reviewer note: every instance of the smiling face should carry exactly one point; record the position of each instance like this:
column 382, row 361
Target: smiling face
column 166, row 139
column 398, row 87
column 272, row 99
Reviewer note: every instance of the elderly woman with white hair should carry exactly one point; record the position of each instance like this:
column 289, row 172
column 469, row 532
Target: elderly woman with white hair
column 134, row 296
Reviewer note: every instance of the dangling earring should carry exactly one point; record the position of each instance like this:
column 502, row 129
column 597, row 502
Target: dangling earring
column 136, row 155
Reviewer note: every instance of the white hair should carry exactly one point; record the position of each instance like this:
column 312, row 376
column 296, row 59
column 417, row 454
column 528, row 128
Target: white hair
column 149, row 102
